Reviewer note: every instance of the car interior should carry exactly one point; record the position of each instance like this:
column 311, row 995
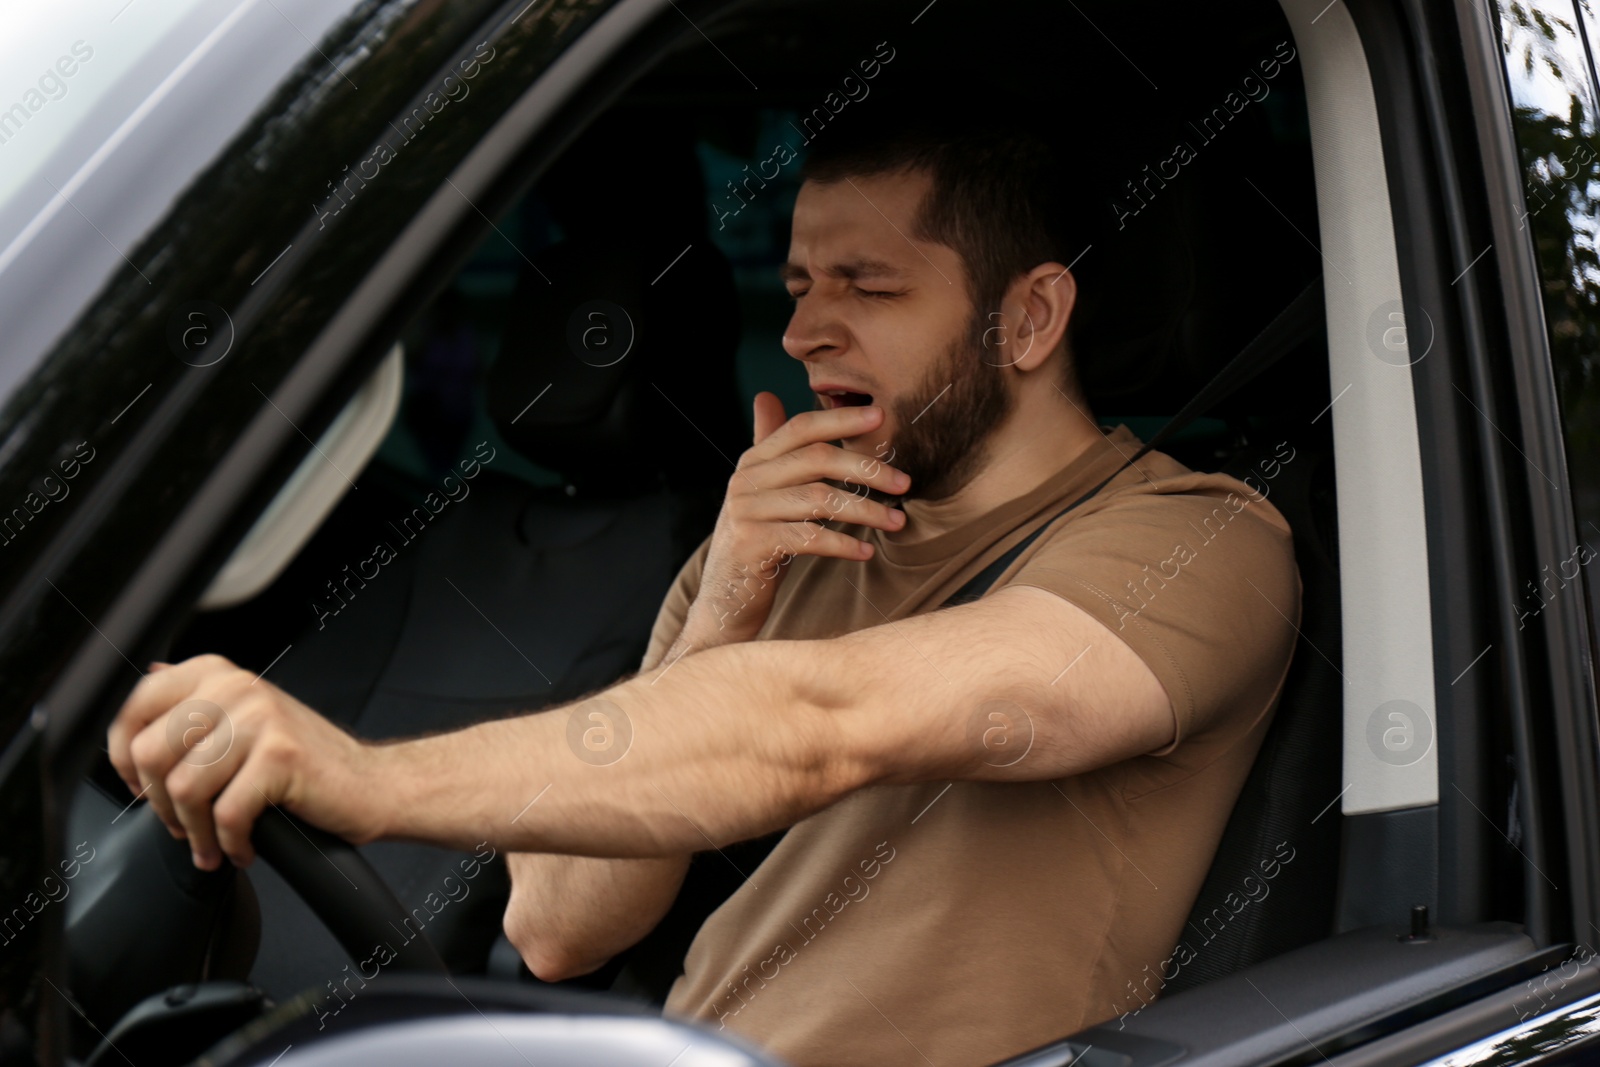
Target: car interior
column 490, row 526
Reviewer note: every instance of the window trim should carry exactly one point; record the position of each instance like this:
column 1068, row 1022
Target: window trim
column 1385, row 604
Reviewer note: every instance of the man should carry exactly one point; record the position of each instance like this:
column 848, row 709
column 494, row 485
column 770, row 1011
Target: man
column 1000, row 812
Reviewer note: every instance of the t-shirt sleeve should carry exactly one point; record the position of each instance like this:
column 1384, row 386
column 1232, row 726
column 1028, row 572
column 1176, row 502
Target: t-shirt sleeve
column 675, row 606
column 1198, row 578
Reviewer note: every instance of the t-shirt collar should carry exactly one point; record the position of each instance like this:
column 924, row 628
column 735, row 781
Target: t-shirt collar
column 1082, row 473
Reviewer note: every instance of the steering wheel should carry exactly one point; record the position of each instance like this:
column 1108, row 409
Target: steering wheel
column 140, row 917
column 341, row 889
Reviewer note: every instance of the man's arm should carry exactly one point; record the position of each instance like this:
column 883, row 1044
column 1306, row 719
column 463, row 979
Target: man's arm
column 568, row 915
column 726, row 744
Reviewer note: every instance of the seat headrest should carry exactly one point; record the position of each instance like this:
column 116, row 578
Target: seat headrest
column 616, row 366
column 1181, row 271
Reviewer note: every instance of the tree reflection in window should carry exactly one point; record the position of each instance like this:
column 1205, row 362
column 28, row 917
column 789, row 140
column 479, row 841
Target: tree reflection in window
column 1550, row 74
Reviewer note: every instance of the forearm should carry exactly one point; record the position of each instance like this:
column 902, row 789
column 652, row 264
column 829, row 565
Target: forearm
column 726, row 745
column 569, row 914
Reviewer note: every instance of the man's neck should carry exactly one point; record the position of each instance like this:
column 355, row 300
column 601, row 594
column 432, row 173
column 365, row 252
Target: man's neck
column 1040, row 437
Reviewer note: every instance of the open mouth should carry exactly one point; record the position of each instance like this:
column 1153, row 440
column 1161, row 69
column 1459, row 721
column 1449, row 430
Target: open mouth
column 843, row 398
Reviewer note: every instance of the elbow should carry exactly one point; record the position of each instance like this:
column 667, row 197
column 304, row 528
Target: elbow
column 848, row 738
column 556, row 963
column 550, row 957
column 842, row 751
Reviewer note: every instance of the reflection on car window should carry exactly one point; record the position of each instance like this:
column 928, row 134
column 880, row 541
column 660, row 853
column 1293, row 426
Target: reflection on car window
column 1550, row 77
column 229, row 287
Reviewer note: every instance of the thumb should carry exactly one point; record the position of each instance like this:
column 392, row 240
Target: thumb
column 769, row 415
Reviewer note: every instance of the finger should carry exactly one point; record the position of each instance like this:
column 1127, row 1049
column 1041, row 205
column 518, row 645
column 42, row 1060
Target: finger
column 155, row 794
column 816, row 502
column 817, row 461
column 205, row 768
column 155, row 694
column 150, row 699
column 827, row 424
column 172, row 735
column 810, row 539
column 252, row 788
column 769, row 415
column 152, row 759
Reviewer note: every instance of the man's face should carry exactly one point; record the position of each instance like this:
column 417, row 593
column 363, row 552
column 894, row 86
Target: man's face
column 885, row 319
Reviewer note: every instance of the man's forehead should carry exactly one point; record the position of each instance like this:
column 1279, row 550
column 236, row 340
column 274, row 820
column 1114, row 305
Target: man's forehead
column 857, row 227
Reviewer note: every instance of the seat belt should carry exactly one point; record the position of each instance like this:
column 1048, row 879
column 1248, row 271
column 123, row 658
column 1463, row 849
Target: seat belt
column 1287, row 329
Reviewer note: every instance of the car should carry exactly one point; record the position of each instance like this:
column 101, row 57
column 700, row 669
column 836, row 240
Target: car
column 395, row 350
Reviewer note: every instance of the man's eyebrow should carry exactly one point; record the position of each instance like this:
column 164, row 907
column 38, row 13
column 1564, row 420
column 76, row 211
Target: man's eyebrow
column 849, row 270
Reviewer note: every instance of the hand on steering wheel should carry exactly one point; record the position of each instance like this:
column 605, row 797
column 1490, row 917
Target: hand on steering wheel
column 214, row 746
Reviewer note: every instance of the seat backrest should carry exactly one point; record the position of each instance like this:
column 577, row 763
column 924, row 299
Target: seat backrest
column 616, row 368
column 510, row 596
column 1272, row 882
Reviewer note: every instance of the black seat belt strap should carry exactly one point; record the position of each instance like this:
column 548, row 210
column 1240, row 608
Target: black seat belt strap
column 1286, row 330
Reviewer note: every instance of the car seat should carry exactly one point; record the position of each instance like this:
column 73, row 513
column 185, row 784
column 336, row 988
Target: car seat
column 1191, row 320
column 518, row 596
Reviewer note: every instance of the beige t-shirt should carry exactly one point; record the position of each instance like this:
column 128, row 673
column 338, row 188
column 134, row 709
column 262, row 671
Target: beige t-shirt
column 961, row 923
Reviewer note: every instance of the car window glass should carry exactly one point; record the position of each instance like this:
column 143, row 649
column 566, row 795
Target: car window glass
column 1551, row 77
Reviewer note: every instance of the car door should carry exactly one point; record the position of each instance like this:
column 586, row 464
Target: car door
column 195, row 278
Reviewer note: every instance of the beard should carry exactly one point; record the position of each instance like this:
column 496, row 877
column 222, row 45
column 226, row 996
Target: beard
column 944, row 423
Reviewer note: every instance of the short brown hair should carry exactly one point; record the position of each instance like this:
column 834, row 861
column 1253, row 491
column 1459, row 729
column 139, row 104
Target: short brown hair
column 1000, row 196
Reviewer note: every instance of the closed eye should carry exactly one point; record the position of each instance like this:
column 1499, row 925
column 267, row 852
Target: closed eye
column 871, row 294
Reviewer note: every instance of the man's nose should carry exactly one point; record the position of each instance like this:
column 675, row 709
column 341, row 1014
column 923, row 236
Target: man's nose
column 813, row 331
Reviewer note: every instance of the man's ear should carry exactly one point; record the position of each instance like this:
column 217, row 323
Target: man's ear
column 1041, row 301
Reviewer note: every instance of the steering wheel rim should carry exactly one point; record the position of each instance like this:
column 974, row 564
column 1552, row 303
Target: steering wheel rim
column 344, row 891
column 140, row 917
